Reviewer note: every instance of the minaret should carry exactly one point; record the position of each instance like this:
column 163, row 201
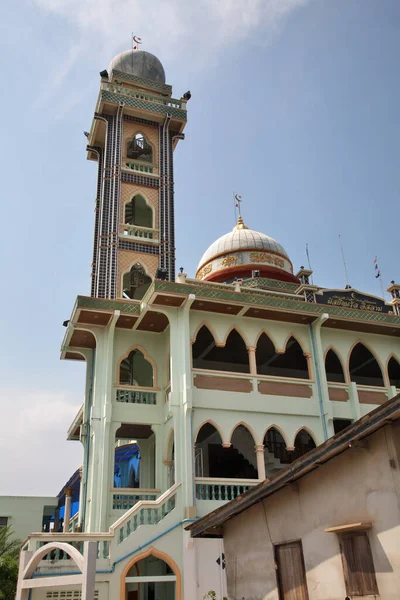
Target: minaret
column 135, row 129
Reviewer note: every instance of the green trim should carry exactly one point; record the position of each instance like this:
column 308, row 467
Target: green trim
column 162, row 109
column 149, row 82
column 132, row 307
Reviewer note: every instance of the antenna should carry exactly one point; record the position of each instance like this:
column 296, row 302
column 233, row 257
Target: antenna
column 378, row 275
column 344, row 262
column 309, row 262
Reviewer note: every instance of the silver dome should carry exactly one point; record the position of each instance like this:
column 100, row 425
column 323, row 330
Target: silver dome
column 139, row 63
column 241, row 239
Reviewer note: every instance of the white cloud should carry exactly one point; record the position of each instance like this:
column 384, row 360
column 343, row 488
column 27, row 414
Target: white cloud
column 35, row 458
column 196, row 31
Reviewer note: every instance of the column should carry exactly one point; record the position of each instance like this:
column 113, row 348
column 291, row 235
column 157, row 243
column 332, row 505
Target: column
column 260, row 462
column 67, row 509
column 80, row 499
column 252, row 360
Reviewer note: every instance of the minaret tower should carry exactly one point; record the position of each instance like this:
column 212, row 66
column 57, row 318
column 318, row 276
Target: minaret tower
column 135, row 129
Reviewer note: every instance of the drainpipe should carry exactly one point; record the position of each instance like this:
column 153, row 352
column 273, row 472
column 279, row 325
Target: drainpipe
column 67, row 509
column 82, row 507
column 315, row 333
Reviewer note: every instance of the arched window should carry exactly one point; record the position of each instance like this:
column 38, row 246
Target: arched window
column 136, row 370
column 276, row 456
column 333, row 367
column 265, row 356
column 138, row 212
column 138, row 148
column 232, row 357
column 150, row 577
column 303, row 443
column 364, row 368
column 135, row 282
column 292, row 363
column 242, row 463
column 394, row 372
column 208, row 449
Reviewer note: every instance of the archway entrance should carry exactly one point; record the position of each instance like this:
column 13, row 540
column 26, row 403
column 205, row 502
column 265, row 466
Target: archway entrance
column 152, row 578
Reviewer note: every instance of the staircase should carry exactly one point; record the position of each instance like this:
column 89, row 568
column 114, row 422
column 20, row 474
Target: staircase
column 229, row 463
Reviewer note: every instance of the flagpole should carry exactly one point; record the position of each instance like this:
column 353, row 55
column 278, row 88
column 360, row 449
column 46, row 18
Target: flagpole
column 377, row 268
column 309, row 262
column 344, row 261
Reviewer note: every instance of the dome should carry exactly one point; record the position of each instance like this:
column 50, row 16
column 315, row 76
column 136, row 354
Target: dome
column 238, row 253
column 139, row 63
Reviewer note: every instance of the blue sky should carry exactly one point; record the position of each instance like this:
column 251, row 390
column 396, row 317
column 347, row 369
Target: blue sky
column 294, row 105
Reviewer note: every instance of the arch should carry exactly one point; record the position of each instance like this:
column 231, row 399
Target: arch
column 210, row 329
column 139, row 148
column 216, row 427
column 135, row 282
column 138, row 211
column 249, row 429
column 334, row 368
column 393, row 371
column 292, row 363
column 301, row 344
column 243, row 465
column 239, row 331
column 157, row 554
column 129, row 368
column 271, row 337
column 207, row 450
column 304, row 442
column 75, row 555
column 169, row 445
column 363, row 366
column 232, row 357
column 279, row 430
column 276, row 453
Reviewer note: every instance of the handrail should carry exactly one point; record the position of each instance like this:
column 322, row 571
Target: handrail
column 224, row 480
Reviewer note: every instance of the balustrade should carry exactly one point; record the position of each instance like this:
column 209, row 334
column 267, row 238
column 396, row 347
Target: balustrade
column 124, row 499
column 139, row 232
column 222, row 490
column 139, row 167
column 136, row 396
column 125, row 91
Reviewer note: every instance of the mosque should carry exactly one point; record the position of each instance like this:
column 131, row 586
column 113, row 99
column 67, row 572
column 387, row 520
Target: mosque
column 196, row 388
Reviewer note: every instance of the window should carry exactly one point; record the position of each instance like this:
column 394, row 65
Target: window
column 3, row 521
column 138, row 212
column 138, row 148
column 136, row 370
column 290, row 571
column 135, row 283
column 364, row 368
column 358, row 566
column 333, row 367
column 231, row 357
column 292, row 363
column 341, row 424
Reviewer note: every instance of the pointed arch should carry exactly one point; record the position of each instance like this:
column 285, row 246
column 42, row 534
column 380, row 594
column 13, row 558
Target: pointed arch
column 210, row 329
column 157, row 554
column 233, row 356
column 279, row 430
column 213, row 424
column 334, row 368
column 202, row 346
column 304, row 442
column 271, row 337
column 265, row 355
column 135, row 281
column 249, row 429
column 276, row 453
column 208, row 449
column 292, row 363
column 169, row 445
column 393, row 371
column 243, row 461
column 238, row 331
column 139, row 148
column 138, row 211
column 141, row 370
column 364, row 367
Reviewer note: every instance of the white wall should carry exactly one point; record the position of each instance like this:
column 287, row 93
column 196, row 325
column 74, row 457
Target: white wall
column 25, row 513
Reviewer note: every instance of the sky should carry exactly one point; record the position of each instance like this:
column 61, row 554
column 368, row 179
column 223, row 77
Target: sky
column 294, row 105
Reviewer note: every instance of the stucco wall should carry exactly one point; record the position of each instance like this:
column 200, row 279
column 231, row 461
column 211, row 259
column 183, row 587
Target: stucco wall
column 358, row 485
column 25, row 513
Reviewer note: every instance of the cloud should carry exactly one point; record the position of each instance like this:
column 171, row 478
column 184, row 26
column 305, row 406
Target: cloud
column 35, row 458
column 195, row 32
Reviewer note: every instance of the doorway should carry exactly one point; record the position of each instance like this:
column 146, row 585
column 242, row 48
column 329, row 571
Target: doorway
column 290, row 570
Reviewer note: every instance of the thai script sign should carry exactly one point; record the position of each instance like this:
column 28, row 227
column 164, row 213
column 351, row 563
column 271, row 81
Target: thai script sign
column 353, row 300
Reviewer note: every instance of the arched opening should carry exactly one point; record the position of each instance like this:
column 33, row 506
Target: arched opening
column 136, row 370
column 208, row 447
column 242, row 463
column 138, row 212
column 303, row 443
column 170, row 459
column 135, row 283
column 276, row 457
column 292, row 363
column 364, row 368
column 151, row 578
column 127, row 465
column 232, row 357
column 394, row 372
column 139, row 148
column 333, row 367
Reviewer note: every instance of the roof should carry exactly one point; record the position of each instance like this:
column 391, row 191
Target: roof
column 210, row 525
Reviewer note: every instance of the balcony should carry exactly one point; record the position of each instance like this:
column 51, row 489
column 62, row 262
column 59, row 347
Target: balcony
column 213, row 492
column 139, row 233
column 130, row 396
column 125, row 498
column 139, row 167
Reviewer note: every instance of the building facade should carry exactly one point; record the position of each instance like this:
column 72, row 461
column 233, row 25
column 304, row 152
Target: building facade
column 196, row 389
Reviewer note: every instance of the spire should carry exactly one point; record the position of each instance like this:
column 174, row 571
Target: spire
column 240, row 224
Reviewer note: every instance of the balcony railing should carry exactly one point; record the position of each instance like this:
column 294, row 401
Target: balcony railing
column 222, row 489
column 139, row 167
column 73, row 523
column 125, row 91
column 136, row 231
column 135, row 396
column 36, row 541
column 124, row 499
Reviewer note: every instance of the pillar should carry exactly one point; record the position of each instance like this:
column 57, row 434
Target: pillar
column 67, row 509
column 80, row 499
column 260, row 462
column 252, row 360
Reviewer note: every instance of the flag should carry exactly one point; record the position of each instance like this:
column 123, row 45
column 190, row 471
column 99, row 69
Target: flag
column 377, row 269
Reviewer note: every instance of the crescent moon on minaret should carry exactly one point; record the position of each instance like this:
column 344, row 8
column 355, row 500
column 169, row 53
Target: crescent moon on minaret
column 238, row 198
column 137, row 39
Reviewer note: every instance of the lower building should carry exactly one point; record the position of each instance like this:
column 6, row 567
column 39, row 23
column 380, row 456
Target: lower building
column 327, row 526
column 27, row 513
